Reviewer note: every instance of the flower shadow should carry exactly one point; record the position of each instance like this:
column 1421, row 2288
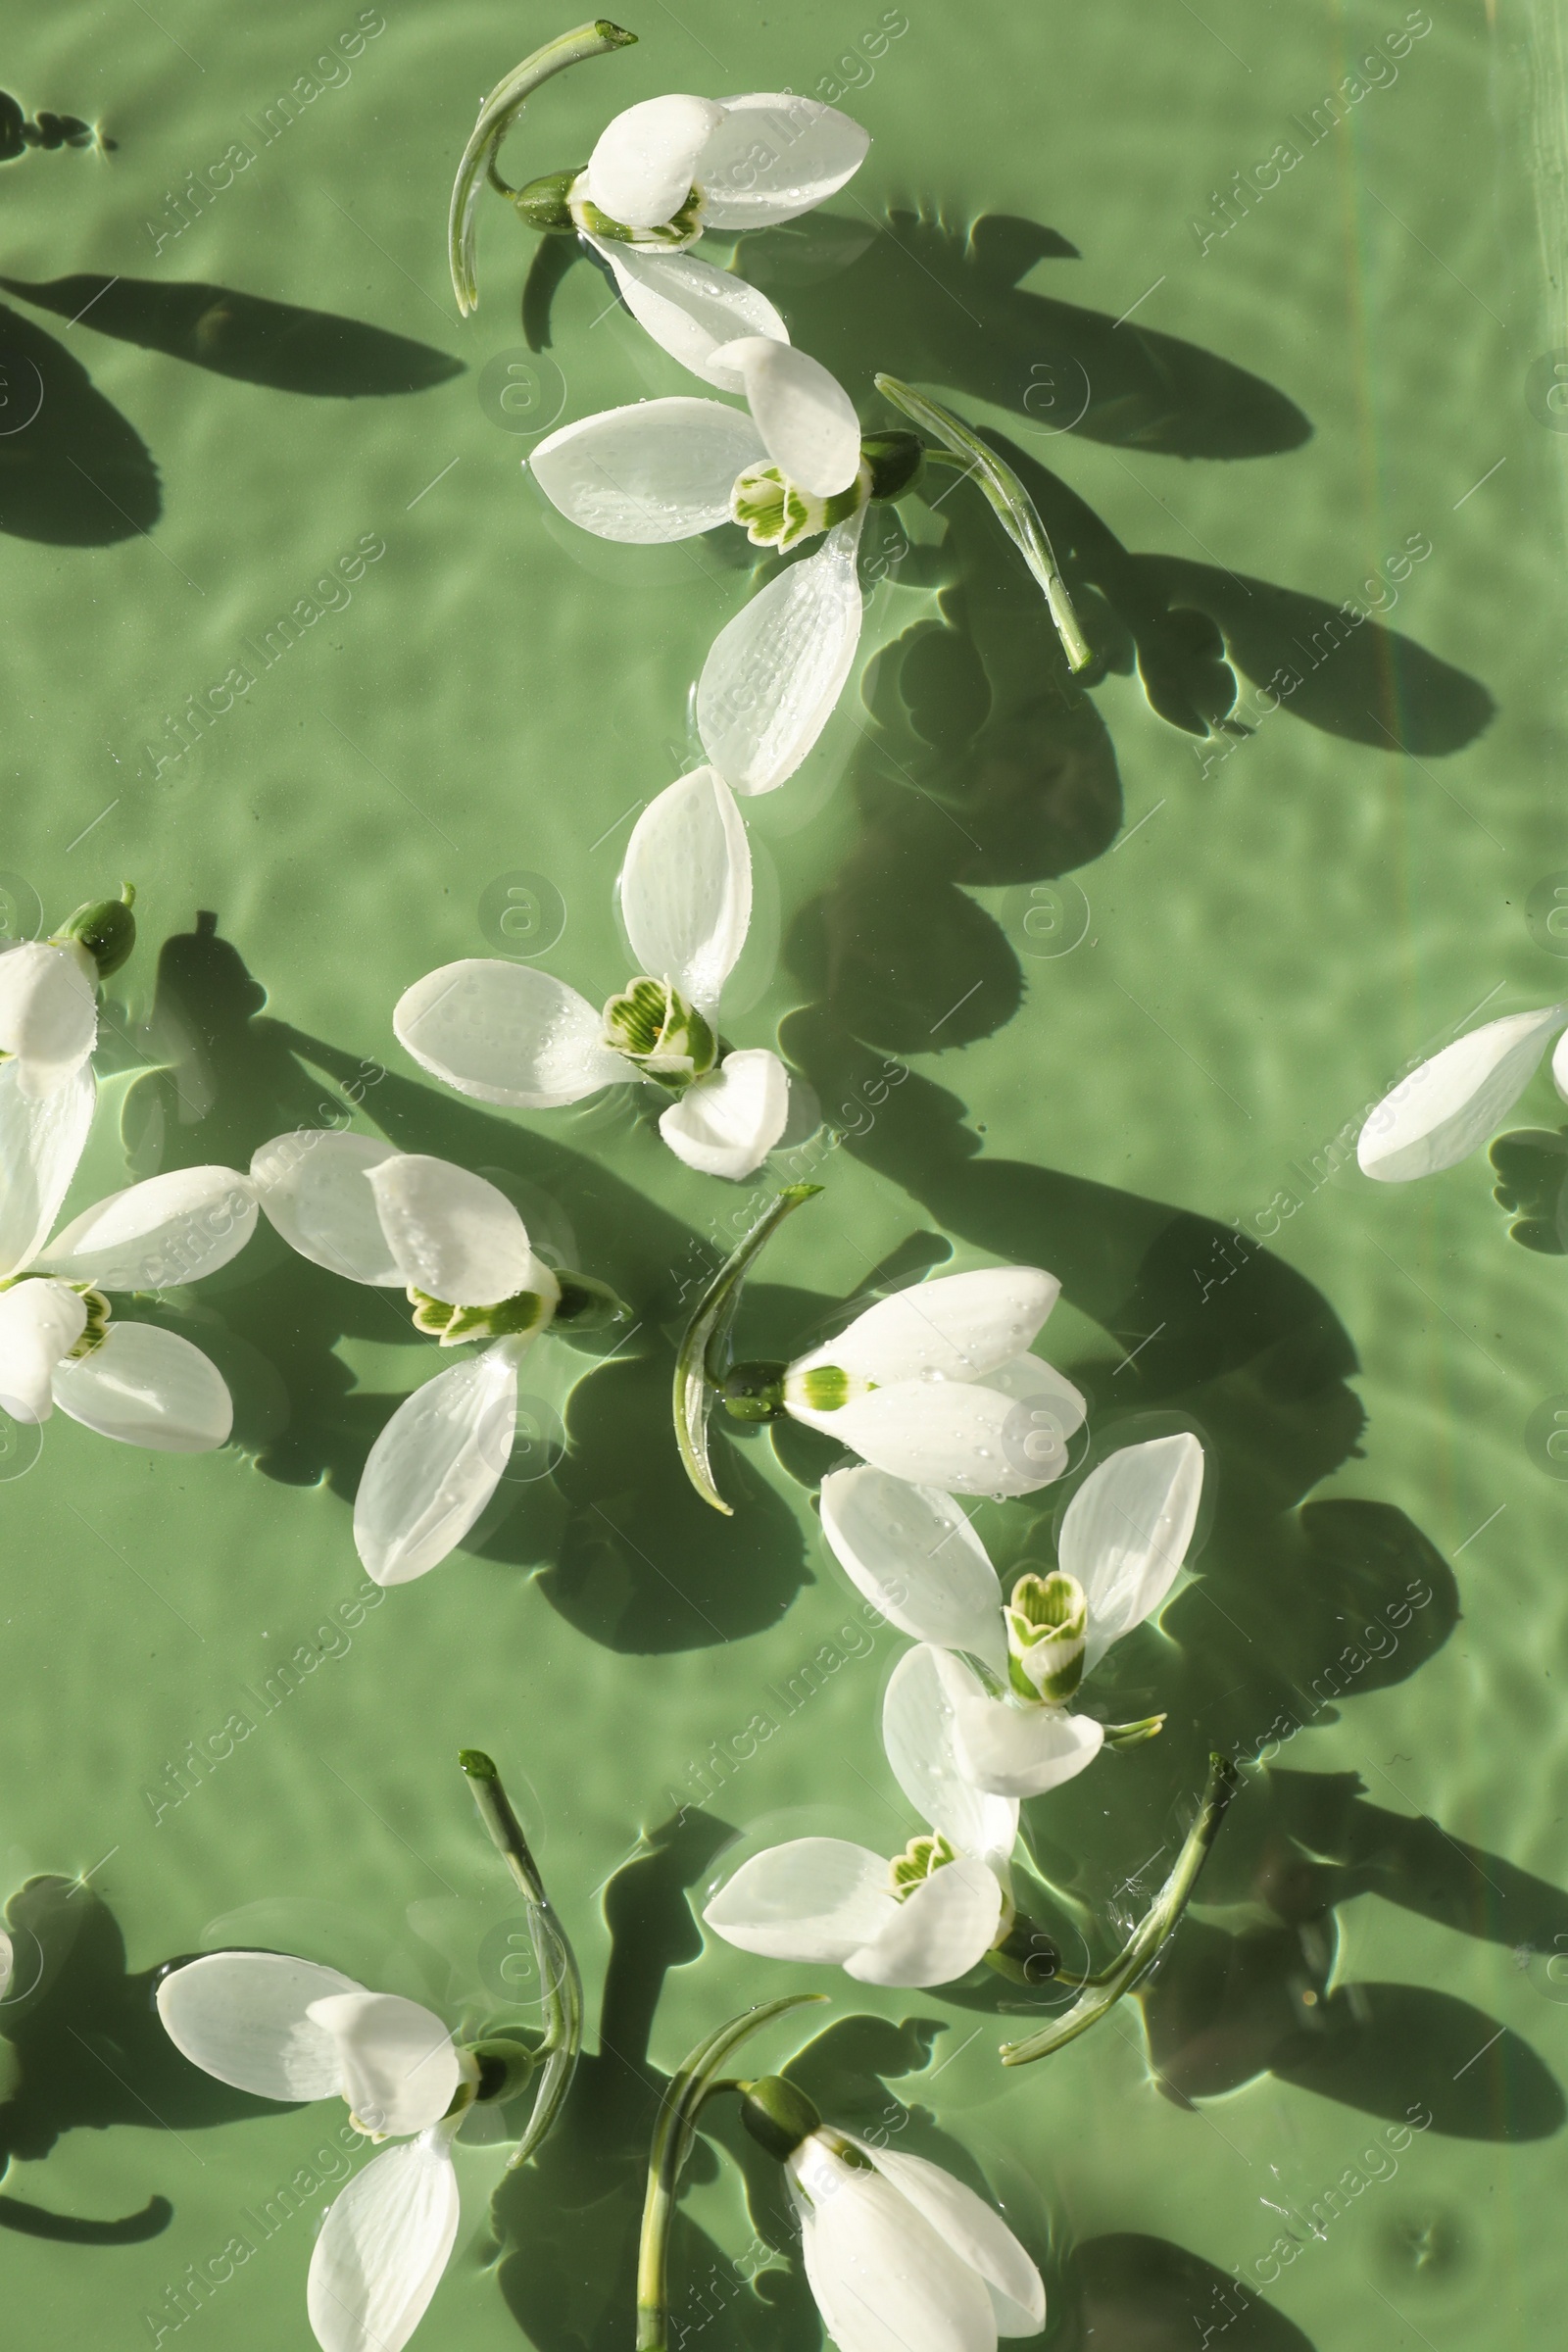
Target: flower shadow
column 76, row 471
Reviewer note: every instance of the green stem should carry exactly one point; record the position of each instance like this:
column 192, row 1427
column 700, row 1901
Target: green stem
column 694, row 2082
column 496, row 117
column 1018, row 514
column 1153, row 1931
column 561, row 1982
column 706, row 1337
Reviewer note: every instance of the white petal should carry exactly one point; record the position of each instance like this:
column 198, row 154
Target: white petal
column 7, row 1962
column 656, row 470
column 773, row 157
column 686, row 887
column 977, row 2234
column 944, row 1432
column 816, row 1898
column 312, row 1186
column 883, row 2279
column 244, row 2017
column 1559, row 1066
column 775, row 673
column 913, row 1552
column 453, row 1235
column 1126, row 1532
column 507, row 1033
column 399, row 2067
column 154, row 1236
column 1013, row 1751
column 643, row 165
column 957, row 1328
column 803, row 413
column 383, row 2247
column 1452, row 1104
column 40, row 1322
column 42, row 1140
column 936, row 1934
column 435, row 1466
column 728, row 1122
column 149, row 1388
column 691, row 309
column 917, row 1723
column 48, row 1015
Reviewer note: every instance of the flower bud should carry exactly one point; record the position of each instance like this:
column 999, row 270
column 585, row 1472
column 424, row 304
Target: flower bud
column 895, row 461
column 778, row 2115
column 1048, row 1619
column 545, row 204
column 754, row 1392
column 586, row 1305
column 507, row 2065
column 105, row 928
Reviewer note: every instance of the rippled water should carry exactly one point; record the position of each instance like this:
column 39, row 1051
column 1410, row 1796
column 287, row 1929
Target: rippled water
column 1143, row 995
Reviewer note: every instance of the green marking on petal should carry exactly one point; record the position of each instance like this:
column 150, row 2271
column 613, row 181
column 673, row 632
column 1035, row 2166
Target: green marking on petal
column 919, row 1859
column 508, row 1318
column 96, row 1328
column 825, row 1387
column 774, row 512
column 669, row 236
column 1047, row 1621
column 655, row 1027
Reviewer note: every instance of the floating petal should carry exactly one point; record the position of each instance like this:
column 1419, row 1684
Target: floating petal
column 917, row 1734
column 659, row 469
column 149, row 1388
column 773, row 157
column 883, row 2279
column 728, row 1122
column 435, row 1466
column 913, row 1552
column 976, row 2234
column 48, row 1015
column 154, row 1235
column 453, row 1235
column 42, row 1140
column 1443, row 1111
column 1126, row 1532
column 816, row 1898
column 1012, row 1752
column 40, row 1322
column 507, row 1033
column 312, row 1186
column 689, row 308
column 399, row 2067
column 244, row 2017
column 383, row 2247
column 803, row 413
column 645, row 161
column 686, row 887
column 957, row 1328
column 775, row 673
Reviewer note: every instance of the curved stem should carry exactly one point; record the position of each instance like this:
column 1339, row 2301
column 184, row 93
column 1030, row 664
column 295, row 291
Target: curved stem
column 496, row 117
column 1152, row 1933
column 695, row 2082
column 706, row 1337
column 1020, row 516
column 560, row 1981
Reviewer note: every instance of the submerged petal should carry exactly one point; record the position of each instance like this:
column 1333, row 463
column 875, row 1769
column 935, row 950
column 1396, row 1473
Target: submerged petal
column 913, row 1552
column 803, row 413
column 312, row 1186
column 645, row 161
column 506, row 1033
column 244, row 2017
column 773, row 157
column 148, row 1386
column 936, row 1934
column 1013, row 1751
column 976, row 2234
column 883, row 2279
column 728, row 1122
column 917, row 1734
column 689, row 308
column 42, row 1140
column 435, row 1466
column 1126, row 1532
column 659, row 469
column 775, row 673
column 816, row 1898
column 1445, row 1110
column 40, row 1322
column 48, row 1015
column 453, row 1235
column 957, row 1328
column 383, row 2247
column 400, row 2069
column 154, row 1235
column 686, row 887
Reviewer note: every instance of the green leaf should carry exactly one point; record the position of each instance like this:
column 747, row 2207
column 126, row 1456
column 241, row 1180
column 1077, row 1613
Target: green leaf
column 706, row 1337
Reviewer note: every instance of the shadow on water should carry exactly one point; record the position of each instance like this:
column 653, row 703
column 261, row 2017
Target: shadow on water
column 74, row 473
column 244, row 335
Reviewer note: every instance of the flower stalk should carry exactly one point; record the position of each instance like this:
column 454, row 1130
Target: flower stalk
column 1152, row 1934
column 561, row 1982
column 699, row 1366
column 696, row 2081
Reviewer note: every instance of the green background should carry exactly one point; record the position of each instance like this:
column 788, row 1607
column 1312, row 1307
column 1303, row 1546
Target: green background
column 1256, row 964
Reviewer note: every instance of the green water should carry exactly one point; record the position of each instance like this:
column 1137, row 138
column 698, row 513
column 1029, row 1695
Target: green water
column 1252, row 955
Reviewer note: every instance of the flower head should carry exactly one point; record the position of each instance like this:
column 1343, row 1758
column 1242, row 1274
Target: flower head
column 510, row 1033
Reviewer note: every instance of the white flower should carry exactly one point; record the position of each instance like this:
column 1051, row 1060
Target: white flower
column 287, row 2029
column 1442, row 1112
column 664, row 171
column 902, row 2258
column 936, row 1384
column 459, row 1248
column 48, row 1013
column 790, row 466
column 58, row 1344
column 1123, row 1540
column 510, row 1033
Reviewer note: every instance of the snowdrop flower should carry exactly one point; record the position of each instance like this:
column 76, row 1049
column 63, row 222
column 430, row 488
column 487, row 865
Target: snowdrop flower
column 287, row 2029
column 934, row 1385
column 49, row 997
column 511, row 1033
column 460, row 1252
column 1007, row 1719
column 1447, row 1108
column 59, row 1344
